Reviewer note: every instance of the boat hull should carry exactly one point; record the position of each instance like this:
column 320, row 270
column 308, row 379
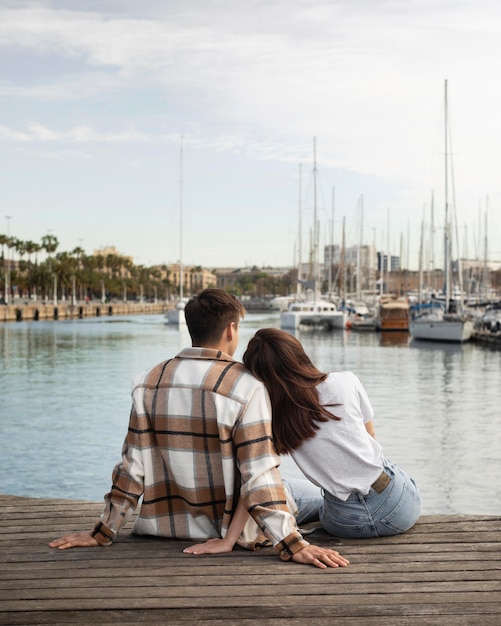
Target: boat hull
column 455, row 331
column 362, row 325
column 393, row 315
column 318, row 315
column 176, row 315
column 295, row 320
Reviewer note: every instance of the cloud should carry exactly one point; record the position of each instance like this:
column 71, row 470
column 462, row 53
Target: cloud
column 7, row 134
column 256, row 81
column 78, row 134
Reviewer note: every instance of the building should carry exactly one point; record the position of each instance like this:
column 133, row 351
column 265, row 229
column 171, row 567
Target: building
column 116, row 264
column 195, row 278
column 354, row 267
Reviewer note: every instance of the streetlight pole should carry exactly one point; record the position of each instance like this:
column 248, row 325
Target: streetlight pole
column 6, row 262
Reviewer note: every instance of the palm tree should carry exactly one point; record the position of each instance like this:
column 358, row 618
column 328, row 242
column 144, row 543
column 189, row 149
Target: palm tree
column 3, row 240
column 31, row 248
column 10, row 242
column 50, row 244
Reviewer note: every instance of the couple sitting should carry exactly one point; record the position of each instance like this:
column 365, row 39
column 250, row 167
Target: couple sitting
column 201, row 449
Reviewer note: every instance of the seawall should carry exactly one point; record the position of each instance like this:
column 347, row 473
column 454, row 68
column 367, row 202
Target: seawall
column 35, row 311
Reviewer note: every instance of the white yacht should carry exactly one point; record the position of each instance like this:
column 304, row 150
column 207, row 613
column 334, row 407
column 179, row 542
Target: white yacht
column 176, row 316
column 281, row 303
column 440, row 326
column 313, row 313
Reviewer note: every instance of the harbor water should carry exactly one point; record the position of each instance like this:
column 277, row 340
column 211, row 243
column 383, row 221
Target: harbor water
column 65, row 402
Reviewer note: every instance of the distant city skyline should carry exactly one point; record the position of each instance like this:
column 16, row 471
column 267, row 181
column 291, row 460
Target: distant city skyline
column 95, row 97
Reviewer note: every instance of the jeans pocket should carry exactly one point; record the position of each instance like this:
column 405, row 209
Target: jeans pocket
column 338, row 529
column 404, row 514
column 340, row 522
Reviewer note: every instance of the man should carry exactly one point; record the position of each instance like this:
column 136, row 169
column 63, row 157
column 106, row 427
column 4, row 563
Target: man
column 199, row 440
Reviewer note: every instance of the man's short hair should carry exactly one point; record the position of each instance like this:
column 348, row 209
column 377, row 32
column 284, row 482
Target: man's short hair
column 209, row 313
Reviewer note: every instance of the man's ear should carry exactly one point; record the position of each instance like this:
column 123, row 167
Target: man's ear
column 230, row 331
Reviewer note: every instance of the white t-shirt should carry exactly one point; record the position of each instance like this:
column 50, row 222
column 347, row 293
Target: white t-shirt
column 342, row 457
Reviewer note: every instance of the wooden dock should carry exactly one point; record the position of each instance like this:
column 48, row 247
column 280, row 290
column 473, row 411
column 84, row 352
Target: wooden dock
column 446, row 570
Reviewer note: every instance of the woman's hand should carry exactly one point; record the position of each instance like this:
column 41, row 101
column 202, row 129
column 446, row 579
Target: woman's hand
column 211, row 546
column 320, row 557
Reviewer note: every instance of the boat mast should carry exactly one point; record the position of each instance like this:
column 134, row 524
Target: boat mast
column 300, row 240
column 431, row 265
column 421, row 243
column 388, row 258
column 181, row 220
column 446, row 225
column 359, row 248
column 486, row 273
column 331, row 254
column 315, row 225
column 342, row 264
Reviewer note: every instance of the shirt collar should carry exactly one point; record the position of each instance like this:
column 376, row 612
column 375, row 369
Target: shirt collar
column 204, row 353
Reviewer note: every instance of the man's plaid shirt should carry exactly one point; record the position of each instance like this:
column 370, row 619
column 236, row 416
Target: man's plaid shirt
column 199, row 438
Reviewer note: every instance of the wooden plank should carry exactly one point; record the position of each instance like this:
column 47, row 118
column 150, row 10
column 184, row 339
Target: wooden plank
column 68, row 578
column 303, row 616
column 118, row 598
column 446, row 570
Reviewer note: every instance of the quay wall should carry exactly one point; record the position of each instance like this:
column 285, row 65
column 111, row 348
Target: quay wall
column 37, row 311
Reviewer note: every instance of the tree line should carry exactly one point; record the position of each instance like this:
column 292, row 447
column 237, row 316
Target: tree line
column 75, row 274
column 107, row 277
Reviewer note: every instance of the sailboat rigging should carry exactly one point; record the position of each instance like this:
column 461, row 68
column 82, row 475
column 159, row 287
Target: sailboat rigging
column 176, row 315
column 447, row 323
column 313, row 311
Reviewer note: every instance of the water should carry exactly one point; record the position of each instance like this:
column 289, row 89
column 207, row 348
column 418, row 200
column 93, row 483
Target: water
column 66, row 401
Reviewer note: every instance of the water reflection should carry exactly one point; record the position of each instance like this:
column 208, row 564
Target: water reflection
column 394, row 338
column 66, row 399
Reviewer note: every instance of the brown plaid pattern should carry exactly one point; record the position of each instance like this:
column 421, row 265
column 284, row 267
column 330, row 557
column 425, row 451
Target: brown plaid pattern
column 199, row 437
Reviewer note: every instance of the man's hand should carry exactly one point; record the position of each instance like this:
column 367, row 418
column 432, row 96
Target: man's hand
column 76, row 540
column 211, row 546
column 320, row 557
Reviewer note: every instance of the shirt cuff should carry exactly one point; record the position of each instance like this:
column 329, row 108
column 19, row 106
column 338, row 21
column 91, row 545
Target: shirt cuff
column 290, row 545
column 102, row 534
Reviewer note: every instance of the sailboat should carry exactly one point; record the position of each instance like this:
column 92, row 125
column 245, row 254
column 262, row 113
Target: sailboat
column 176, row 315
column 443, row 324
column 313, row 311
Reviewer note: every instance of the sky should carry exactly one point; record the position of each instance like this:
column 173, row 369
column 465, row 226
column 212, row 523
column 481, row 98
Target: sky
column 186, row 128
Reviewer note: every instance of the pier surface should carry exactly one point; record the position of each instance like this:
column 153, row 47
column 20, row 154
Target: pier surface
column 446, row 570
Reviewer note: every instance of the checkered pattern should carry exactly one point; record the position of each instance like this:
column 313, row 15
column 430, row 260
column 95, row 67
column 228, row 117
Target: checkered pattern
column 199, row 434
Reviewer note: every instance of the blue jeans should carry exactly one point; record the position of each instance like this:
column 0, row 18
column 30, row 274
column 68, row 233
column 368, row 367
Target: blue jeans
column 391, row 512
column 308, row 498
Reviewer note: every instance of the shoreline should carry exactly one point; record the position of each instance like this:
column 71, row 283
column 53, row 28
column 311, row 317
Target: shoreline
column 38, row 311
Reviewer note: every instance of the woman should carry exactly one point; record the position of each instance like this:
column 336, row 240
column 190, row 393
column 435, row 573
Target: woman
column 325, row 422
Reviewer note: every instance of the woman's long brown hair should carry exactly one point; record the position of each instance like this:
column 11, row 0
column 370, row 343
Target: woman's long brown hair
column 279, row 360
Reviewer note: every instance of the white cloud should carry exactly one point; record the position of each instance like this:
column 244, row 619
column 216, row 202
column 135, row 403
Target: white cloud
column 7, row 134
column 78, row 134
column 257, row 80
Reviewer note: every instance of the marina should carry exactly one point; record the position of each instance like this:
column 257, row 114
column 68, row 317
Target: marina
column 436, row 405
column 437, row 414
column 149, row 151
